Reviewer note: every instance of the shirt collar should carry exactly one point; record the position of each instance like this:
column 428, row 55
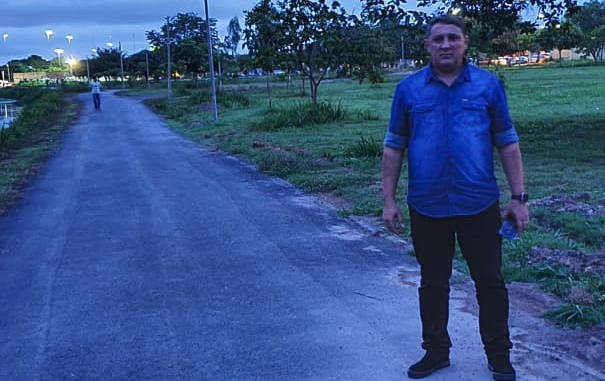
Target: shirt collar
column 464, row 76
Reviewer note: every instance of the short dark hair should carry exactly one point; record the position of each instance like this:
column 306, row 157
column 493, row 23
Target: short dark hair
column 446, row 19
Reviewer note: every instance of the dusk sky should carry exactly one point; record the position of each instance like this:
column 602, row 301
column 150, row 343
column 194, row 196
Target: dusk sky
column 93, row 23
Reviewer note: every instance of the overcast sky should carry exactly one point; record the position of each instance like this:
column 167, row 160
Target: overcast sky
column 93, row 23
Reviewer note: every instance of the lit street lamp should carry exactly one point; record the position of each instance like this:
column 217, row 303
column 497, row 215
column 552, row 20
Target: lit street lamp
column 48, row 33
column 71, row 62
column 8, row 69
column 59, row 51
column 69, row 37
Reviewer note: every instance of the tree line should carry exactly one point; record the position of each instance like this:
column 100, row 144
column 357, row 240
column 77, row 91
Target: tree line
column 314, row 38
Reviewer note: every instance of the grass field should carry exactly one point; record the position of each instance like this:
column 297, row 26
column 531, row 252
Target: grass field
column 335, row 149
column 559, row 113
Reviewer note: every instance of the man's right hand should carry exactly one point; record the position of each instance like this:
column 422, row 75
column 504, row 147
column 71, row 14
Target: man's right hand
column 391, row 215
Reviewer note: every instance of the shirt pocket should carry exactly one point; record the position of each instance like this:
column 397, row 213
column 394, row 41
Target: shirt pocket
column 425, row 120
column 474, row 116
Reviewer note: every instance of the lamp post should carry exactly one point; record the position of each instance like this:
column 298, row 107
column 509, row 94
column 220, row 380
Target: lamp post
column 70, row 62
column 8, row 70
column 121, row 62
column 147, row 66
column 48, row 33
column 69, row 37
column 59, row 51
column 403, row 51
column 211, row 64
column 169, row 68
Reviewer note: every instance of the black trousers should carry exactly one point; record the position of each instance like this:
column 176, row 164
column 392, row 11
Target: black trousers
column 481, row 246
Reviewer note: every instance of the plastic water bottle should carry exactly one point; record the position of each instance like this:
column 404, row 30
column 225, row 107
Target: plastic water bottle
column 508, row 229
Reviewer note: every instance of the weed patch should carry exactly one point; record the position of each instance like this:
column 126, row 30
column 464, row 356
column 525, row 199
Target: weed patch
column 299, row 115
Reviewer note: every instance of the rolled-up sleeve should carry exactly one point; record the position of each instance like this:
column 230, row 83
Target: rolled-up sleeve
column 502, row 126
column 397, row 134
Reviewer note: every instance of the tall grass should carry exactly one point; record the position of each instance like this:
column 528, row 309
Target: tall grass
column 299, row 115
column 40, row 109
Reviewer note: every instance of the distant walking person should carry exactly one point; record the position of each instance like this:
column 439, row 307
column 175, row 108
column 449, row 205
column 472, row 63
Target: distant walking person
column 95, row 87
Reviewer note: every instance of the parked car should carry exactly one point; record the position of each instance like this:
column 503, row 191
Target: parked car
column 521, row 60
column 539, row 58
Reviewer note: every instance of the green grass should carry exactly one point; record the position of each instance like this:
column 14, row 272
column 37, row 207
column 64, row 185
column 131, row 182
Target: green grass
column 335, row 148
column 31, row 138
column 558, row 111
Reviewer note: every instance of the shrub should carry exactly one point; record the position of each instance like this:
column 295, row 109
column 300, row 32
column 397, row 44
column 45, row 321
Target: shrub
column 40, row 104
column 300, row 115
column 365, row 148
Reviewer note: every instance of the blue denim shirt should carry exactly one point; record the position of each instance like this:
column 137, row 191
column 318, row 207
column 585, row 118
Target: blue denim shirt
column 450, row 134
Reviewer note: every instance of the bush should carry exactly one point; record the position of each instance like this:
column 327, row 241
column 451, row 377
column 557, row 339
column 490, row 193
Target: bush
column 40, row 104
column 365, row 148
column 376, row 76
column 300, row 115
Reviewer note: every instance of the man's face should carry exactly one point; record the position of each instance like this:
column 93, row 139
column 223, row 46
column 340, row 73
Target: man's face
column 446, row 44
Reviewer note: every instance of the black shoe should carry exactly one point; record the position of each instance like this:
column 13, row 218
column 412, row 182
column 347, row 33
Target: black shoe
column 430, row 363
column 501, row 368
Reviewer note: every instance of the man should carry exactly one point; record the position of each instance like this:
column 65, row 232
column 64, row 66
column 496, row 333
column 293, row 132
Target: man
column 95, row 89
column 448, row 116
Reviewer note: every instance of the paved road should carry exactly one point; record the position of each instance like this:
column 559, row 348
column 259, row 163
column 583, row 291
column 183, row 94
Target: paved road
column 137, row 255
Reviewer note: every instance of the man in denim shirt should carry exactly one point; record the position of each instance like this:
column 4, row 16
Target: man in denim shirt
column 449, row 116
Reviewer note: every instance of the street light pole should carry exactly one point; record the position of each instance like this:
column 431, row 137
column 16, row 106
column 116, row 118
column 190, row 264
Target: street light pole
column 211, row 64
column 59, row 51
column 121, row 62
column 8, row 69
column 169, row 58
column 403, row 52
column 147, row 66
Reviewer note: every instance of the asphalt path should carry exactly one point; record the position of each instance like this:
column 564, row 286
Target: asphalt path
column 138, row 255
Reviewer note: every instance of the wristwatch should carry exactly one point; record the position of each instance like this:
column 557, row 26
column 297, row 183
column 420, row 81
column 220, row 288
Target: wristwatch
column 522, row 197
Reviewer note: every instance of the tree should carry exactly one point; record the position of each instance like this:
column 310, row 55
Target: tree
column 186, row 32
column 31, row 63
column 368, row 47
column 590, row 20
column 499, row 13
column 489, row 18
column 234, row 34
column 265, row 37
column 106, row 64
column 558, row 37
column 314, row 37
